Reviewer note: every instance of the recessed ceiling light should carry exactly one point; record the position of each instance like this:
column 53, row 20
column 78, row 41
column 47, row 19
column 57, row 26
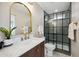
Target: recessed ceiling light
column 56, row 10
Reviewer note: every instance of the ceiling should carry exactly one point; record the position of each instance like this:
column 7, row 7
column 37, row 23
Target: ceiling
column 52, row 7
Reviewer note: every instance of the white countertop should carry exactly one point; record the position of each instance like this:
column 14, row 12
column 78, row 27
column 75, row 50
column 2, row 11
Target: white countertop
column 20, row 48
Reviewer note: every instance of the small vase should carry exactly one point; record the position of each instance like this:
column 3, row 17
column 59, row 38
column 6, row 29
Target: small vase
column 8, row 42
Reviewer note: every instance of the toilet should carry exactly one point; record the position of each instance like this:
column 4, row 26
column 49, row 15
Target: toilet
column 49, row 48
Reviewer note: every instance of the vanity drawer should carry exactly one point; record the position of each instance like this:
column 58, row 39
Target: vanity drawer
column 37, row 51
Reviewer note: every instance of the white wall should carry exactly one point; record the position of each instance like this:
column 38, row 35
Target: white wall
column 4, row 14
column 75, row 17
column 37, row 15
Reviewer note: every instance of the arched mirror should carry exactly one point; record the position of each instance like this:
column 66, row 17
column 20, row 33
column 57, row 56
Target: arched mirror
column 20, row 17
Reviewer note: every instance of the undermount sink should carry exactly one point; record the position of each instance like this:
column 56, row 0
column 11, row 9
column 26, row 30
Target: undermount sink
column 31, row 40
column 18, row 40
column 28, row 41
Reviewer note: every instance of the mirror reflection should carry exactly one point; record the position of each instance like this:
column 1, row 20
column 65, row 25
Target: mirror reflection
column 20, row 18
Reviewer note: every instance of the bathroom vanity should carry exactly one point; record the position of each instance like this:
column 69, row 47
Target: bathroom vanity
column 33, row 47
column 37, row 51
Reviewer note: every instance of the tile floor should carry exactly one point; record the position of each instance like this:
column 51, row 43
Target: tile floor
column 58, row 54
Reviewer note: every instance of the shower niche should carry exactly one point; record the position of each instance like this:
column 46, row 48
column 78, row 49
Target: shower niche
column 56, row 30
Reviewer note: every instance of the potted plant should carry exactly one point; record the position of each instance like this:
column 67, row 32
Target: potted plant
column 7, row 33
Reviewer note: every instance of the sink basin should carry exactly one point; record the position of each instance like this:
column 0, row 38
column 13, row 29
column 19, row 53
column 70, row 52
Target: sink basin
column 24, row 42
column 29, row 41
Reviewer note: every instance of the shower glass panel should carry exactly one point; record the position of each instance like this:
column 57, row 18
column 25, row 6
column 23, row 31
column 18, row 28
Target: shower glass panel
column 56, row 30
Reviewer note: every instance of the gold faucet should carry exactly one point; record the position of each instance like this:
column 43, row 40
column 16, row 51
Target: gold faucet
column 25, row 33
column 26, row 36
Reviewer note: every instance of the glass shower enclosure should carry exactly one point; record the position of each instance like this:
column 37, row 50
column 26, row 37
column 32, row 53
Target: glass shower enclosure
column 56, row 30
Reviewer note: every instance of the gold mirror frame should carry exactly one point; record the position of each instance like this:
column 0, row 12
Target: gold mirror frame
column 30, row 26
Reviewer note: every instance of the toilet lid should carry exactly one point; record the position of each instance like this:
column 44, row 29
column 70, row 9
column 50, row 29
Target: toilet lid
column 50, row 45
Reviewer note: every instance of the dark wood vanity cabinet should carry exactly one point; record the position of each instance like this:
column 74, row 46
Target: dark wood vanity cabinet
column 37, row 51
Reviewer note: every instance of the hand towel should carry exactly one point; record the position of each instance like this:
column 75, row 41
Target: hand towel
column 72, row 27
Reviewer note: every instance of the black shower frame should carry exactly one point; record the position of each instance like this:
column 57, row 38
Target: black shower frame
column 47, row 39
